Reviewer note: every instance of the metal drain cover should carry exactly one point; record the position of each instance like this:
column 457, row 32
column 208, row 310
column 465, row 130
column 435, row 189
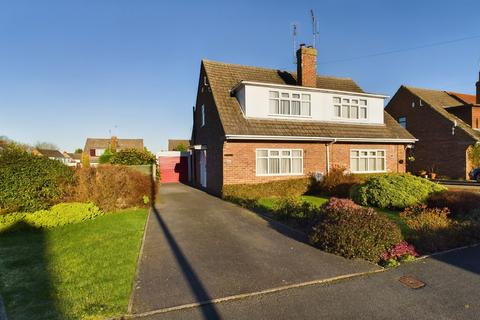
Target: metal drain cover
column 412, row 282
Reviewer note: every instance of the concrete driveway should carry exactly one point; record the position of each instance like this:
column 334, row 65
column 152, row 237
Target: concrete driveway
column 198, row 248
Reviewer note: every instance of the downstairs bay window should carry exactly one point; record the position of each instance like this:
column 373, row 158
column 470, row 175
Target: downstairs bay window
column 279, row 162
column 365, row 161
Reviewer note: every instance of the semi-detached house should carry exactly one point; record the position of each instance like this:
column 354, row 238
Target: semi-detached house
column 254, row 125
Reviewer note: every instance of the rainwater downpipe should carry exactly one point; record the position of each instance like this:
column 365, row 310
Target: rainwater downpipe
column 328, row 154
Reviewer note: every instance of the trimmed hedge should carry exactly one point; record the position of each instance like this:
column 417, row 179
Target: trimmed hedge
column 113, row 187
column 250, row 192
column 59, row 215
column 394, row 191
column 295, row 210
column 29, row 182
column 349, row 230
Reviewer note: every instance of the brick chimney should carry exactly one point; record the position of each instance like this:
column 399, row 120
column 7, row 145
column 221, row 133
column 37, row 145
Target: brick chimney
column 113, row 143
column 307, row 67
column 478, row 89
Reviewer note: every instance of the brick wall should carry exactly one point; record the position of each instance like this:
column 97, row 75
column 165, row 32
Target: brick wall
column 239, row 161
column 210, row 136
column 437, row 147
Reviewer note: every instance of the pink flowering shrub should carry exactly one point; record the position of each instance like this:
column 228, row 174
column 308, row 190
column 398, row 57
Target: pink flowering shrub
column 335, row 205
column 399, row 251
column 352, row 231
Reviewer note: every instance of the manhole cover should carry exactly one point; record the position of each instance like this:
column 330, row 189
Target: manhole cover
column 412, row 282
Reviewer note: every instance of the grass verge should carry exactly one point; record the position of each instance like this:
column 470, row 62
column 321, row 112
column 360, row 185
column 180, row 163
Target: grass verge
column 78, row 271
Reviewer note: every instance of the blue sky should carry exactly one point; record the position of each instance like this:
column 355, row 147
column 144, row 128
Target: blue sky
column 72, row 69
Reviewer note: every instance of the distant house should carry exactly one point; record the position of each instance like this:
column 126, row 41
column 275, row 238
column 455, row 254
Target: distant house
column 254, row 125
column 446, row 124
column 51, row 154
column 73, row 159
column 174, row 144
column 95, row 147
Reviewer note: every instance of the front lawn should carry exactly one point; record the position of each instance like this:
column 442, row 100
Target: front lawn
column 78, row 271
column 271, row 202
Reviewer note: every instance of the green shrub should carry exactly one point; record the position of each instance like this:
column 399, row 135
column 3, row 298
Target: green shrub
column 394, row 191
column 29, row 182
column 460, row 203
column 337, row 183
column 133, row 157
column 58, row 215
column 113, row 187
column 249, row 193
column 295, row 210
column 354, row 232
column 106, row 157
column 432, row 230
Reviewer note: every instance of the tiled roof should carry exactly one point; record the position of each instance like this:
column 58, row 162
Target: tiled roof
column 50, row 153
column 99, row 143
column 465, row 98
column 174, row 143
column 223, row 77
column 441, row 100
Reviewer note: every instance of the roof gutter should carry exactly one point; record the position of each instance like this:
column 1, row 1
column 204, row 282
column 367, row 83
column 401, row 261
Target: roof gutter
column 300, row 88
column 323, row 139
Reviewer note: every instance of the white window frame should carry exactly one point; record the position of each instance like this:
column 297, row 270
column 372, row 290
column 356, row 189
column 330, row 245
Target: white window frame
column 350, row 103
column 368, row 157
column 203, row 115
column 301, row 100
column 280, row 157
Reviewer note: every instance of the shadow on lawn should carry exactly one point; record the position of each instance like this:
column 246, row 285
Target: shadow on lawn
column 25, row 282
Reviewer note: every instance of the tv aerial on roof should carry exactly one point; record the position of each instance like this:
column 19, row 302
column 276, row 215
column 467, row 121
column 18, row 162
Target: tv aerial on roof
column 315, row 28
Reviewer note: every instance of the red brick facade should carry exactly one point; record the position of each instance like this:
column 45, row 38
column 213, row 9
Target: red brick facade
column 239, row 158
column 438, row 148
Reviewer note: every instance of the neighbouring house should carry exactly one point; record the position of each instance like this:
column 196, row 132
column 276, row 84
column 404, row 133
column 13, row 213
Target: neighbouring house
column 51, row 154
column 95, row 147
column 176, row 144
column 446, row 124
column 254, row 125
column 73, row 159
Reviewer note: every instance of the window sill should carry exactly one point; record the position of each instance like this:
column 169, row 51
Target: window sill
column 289, row 116
column 362, row 172
column 279, row 175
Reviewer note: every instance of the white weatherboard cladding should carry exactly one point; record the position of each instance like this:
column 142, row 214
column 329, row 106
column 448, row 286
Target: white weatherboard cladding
column 254, row 101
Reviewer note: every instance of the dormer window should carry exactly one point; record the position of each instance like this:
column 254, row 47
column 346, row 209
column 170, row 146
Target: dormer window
column 290, row 104
column 347, row 108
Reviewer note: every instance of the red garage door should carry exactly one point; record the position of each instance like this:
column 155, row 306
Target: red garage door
column 173, row 167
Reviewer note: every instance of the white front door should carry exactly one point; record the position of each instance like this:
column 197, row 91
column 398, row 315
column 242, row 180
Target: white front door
column 203, row 168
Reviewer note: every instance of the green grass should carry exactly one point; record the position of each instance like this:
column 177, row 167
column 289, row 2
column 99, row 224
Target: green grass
column 395, row 217
column 78, row 271
column 270, row 202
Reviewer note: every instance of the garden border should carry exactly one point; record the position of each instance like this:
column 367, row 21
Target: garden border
column 140, row 254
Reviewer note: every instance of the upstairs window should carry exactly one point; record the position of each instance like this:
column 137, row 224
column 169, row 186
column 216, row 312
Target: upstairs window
column 290, row 104
column 203, row 115
column 403, row 122
column 347, row 108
